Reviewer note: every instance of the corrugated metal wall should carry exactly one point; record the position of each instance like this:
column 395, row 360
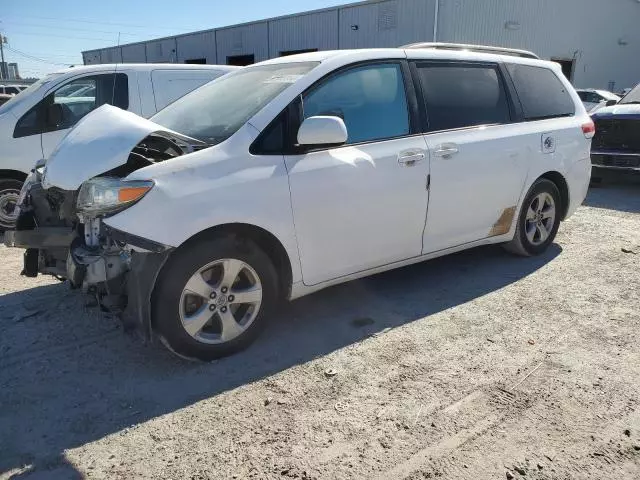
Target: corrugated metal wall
column 589, row 31
column 111, row 55
column 134, row 53
column 316, row 30
column 387, row 24
column 91, row 57
column 251, row 39
column 197, row 45
column 162, row 51
column 602, row 36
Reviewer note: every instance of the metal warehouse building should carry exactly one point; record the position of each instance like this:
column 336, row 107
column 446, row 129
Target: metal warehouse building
column 596, row 41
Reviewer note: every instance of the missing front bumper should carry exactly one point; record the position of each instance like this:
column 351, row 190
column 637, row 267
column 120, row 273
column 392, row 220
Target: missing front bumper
column 40, row 237
column 141, row 280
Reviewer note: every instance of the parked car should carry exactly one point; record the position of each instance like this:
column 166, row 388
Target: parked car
column 616, row 146
column 10, row 89
column 33, row 123
column 593, row 99
column 299, row 173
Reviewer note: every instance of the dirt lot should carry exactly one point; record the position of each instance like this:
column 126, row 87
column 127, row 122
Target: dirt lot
column 478, row 365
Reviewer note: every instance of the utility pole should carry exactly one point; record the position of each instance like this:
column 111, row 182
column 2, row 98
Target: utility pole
column 3, row 65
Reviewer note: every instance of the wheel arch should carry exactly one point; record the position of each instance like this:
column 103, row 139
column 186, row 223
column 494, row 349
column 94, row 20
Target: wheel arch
column 13, row 175
column 266, row 240
column 558, row 179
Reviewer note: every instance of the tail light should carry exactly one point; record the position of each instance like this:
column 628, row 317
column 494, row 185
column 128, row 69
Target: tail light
column 589, row 130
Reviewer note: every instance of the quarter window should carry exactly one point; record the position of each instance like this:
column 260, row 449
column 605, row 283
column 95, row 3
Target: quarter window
column 541, row 92
column 370, row 99
column 459, row 96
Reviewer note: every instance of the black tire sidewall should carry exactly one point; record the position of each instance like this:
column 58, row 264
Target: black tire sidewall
column 540, row 186
column 182, row 264
column 9, row 184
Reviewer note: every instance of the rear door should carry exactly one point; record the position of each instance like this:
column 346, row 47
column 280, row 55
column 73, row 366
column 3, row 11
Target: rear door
column 478, row 160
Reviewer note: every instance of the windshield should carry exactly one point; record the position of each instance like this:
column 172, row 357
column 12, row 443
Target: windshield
column 20, row 97
column 632, row 97
column 218, row 109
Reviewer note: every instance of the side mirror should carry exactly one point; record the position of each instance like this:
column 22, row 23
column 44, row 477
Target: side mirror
column 611, row 103
column 54, row 115
column 322, row 131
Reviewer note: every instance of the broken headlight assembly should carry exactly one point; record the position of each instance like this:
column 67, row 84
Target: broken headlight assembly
column 106, row 195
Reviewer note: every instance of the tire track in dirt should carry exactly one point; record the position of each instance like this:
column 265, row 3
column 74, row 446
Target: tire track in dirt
column 487, row 409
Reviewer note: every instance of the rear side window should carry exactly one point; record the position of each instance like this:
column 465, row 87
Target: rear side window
column 459, row 96
column 541, row 92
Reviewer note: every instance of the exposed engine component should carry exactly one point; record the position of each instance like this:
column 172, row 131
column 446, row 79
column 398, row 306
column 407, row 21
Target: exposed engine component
column 62, row 243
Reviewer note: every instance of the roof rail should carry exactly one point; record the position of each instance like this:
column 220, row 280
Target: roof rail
column 473, row 48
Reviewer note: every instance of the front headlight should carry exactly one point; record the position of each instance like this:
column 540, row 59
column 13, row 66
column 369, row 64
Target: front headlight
column 109, row 195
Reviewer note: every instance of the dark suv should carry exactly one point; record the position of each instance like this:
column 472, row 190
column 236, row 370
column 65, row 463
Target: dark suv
column 616, row 145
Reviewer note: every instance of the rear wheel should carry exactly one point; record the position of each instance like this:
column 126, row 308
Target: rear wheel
column 213, row 297
column 9, row 193
column 538, row 221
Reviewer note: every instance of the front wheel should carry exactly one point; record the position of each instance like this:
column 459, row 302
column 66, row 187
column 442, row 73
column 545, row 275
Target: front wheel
column 9, row 194
column 538, row 221
column 213, row 297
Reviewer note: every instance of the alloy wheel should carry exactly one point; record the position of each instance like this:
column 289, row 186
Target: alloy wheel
column 540, row 219
column 220, row 301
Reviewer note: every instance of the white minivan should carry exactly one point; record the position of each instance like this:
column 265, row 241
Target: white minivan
column 302, row 172
column 34, row 121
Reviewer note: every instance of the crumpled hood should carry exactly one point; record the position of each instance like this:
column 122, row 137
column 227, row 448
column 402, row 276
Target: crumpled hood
column 626, row 111
column 100, row 142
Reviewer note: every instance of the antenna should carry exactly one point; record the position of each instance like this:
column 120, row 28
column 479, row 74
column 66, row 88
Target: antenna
column 115, row 73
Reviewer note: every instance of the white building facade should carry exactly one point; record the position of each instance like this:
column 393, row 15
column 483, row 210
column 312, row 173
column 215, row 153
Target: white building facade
column 596, row 41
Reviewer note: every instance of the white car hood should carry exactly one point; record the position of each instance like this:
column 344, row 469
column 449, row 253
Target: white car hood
column 100, row 142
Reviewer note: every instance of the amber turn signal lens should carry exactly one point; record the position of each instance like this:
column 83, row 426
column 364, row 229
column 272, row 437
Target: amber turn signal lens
column 131, row 194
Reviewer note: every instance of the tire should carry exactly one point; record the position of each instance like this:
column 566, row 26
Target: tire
column 174, row 306
column 522, row 243
column 9, row 192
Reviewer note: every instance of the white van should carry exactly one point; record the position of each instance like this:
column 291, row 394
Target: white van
column 34, row 121
column 302, row 172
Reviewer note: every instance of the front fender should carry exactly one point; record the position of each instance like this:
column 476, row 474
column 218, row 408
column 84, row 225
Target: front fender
column 183, row 203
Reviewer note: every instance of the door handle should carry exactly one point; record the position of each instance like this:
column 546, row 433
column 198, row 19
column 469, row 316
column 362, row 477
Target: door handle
column 409, row 159
column 446, row 150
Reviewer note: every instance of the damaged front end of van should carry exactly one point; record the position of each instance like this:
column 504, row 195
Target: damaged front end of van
column 64, row 201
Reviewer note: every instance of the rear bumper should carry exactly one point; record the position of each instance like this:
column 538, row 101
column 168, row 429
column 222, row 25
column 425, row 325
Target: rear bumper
column 578, row 178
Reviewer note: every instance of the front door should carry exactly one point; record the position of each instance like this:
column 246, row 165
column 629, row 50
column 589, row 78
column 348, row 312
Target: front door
column 361, row 205
column 478, row 162
column 76, row 99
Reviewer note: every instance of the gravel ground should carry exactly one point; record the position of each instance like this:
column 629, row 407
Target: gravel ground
column 477, row 365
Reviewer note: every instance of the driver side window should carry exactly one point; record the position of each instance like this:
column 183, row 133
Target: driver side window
column 73, row 101
column 66, row 106
column 370, row 99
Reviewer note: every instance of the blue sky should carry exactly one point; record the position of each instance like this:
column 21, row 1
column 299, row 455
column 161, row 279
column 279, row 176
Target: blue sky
column 54, row 32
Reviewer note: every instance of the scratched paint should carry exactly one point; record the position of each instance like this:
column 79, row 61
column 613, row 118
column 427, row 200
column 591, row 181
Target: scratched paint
column 503, row 224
